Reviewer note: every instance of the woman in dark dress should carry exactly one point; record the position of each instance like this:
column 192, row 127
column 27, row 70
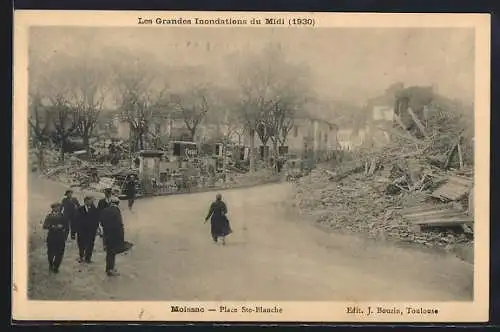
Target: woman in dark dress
column 218, row 220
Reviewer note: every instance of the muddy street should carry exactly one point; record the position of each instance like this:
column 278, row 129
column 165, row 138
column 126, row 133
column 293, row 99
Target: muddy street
column 272, row 255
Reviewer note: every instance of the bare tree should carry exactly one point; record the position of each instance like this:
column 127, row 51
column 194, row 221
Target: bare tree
column 51, row 81
column 239, row 133
column 230, row 123
column 88, row 93
column 75, row 88
column 65, row 121
column 192, row 105
column 157, row 130
column 280, row 121
column 40, row 127
column 141, row 96
column 269, row 86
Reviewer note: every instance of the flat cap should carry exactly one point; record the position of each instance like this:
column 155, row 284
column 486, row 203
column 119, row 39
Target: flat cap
column 55, row 205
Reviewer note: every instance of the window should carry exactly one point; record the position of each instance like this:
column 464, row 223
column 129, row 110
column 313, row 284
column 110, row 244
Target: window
column 326, row 137
column 295, row 131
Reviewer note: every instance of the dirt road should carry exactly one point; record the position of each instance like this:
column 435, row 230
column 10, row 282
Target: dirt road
column 270, row 256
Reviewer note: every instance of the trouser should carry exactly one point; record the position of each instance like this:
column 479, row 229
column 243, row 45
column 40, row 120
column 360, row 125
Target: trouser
column 110, row 260
column 55, row 249
column 131, row 202
column 86, row 241
column 70, row 229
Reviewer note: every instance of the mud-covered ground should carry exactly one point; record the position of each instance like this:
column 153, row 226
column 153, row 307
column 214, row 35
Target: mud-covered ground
column 273, row 254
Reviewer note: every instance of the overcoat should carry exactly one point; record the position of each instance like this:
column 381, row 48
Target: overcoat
column 112, row 226
column 218, row 219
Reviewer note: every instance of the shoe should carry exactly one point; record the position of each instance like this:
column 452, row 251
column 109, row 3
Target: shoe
column 55, row 271
column 112, row 273
column 80, row 260
column 88, row 261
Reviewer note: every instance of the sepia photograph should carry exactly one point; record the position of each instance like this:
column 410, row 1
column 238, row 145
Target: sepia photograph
column 178, row 161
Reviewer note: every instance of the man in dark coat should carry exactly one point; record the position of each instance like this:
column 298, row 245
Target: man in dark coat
column 87, row 223
column 219, row 223
column 130, row 190
column 101, row 205
column 55, row 223
column 106, row 201
column 112, row 224
column 70, row 206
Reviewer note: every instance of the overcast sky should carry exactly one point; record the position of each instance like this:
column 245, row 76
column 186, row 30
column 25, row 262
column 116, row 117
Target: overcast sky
column 348, row 64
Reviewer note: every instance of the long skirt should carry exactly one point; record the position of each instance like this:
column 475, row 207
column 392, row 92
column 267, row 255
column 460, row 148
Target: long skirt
column 220, row 227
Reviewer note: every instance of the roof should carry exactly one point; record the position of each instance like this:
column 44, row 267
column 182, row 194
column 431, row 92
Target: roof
column 312, row 118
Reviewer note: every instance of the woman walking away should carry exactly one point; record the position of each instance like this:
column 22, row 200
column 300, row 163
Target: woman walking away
column 218, row 219
column 55, row 223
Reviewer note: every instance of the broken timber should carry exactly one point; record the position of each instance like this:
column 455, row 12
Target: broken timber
column 454, row 189
column 436, row 216
column 417, row 122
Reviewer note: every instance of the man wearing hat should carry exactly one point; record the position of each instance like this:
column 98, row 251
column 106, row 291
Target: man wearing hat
column 70, row 207
column 106, row 201
column 102, row 204
column 87, row 223
column 112, row 224
column 55, row 223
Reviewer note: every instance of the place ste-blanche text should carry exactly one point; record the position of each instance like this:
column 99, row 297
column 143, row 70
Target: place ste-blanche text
column 228, row 309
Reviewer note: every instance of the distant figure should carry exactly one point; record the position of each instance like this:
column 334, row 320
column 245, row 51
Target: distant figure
column 130, row 189
column 87, row 223
column 112, row 225
column 219, row 222
column 55, row 223
column 70, row 206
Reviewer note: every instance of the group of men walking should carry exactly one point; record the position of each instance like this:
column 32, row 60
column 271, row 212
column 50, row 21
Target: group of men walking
column 83, row 223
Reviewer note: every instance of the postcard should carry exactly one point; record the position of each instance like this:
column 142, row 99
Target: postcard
column 251, row 166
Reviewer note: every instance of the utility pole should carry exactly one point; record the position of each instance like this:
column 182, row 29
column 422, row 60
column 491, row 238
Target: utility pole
column 130, row 146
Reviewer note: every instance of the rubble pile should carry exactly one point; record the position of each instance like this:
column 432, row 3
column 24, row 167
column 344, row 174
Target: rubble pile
column 356, row 204
column 418, row 189
column 51, row 158
column 79, row 173
column 96, row 175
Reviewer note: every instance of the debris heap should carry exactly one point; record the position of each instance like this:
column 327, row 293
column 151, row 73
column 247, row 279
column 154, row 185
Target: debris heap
column 418, row 188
